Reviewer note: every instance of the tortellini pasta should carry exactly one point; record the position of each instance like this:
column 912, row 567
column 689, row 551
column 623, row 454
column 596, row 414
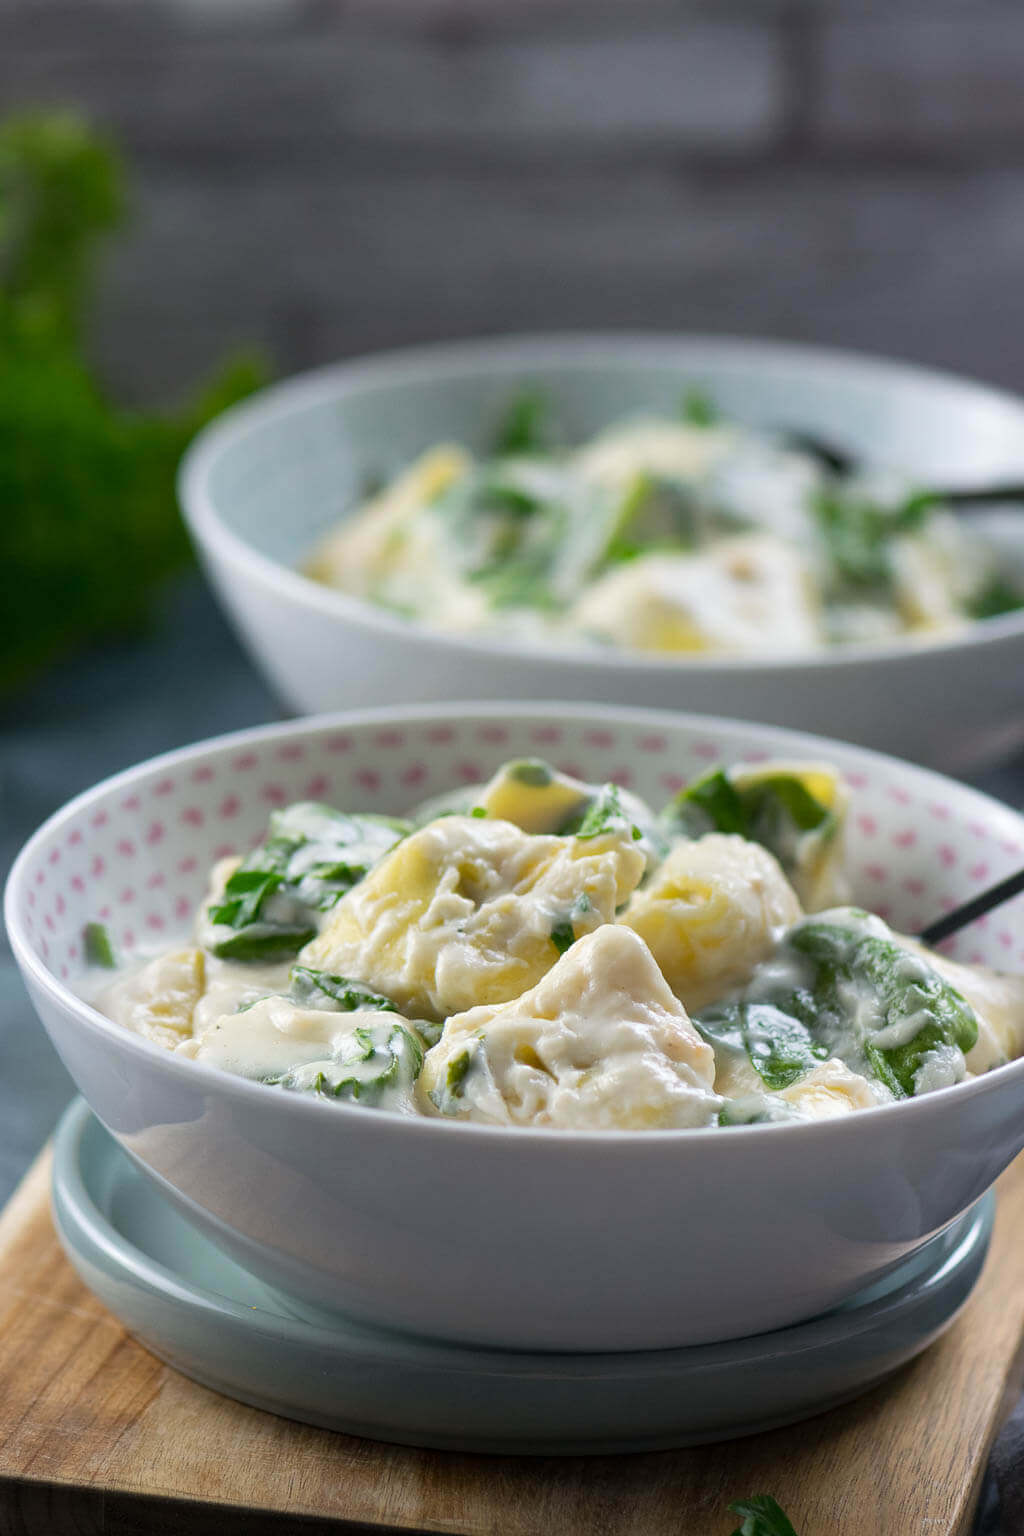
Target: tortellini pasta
column 158, row 1001
column 539, row 950
column 829, row 1090
column 470, row 910
column 711, row 912
column 366, row 1055
column 390, row 539
column 673, row 534
column 599, row 1043
column 726, row 599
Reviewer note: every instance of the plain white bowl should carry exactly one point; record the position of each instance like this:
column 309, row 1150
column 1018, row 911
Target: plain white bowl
column 517, row 1238
column 260, row 485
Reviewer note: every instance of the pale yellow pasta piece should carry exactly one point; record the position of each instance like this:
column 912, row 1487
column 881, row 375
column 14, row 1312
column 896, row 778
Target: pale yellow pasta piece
column 276, row 1040
column 936, row 573
column 539, row 799
column 462, row 912
column 532, row 796
column 713, row 910
column 599, row 1043
column 673, row 449
column 159, row 1000
column 368, row 547
column 832, row 1089
column 753, row 593
column 736, row 1077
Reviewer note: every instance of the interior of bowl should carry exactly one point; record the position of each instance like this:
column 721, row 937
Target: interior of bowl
column 280, row 470
column 135, row 852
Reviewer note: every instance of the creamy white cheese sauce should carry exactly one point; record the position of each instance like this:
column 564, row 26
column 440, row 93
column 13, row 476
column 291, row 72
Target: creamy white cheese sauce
column 668, row 536
column 544, row 951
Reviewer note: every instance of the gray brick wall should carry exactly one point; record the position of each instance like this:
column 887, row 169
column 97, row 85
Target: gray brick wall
column 327, row 176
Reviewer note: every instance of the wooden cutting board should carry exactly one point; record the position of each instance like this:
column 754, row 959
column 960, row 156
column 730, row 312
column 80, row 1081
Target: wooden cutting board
column 97, row 1436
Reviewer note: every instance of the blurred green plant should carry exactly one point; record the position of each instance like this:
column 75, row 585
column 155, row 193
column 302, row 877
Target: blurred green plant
column 89, row 526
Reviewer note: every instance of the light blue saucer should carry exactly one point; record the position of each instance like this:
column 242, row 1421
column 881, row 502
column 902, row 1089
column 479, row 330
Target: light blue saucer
column 210, row 1319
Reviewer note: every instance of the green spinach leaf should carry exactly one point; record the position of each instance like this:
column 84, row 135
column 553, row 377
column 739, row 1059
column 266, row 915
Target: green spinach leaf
column 904, row 1008
column 762, row 1516
column 312, row 856
column 373, row 1061
column 98, row 946
column 698, row 409
column 312, row 988
column 526, row 426
column 780, row 1047
column 604, row 814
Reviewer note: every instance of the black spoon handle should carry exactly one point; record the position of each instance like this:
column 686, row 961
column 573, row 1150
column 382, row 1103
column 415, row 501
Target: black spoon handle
column 980, row 496
column 971, row 910
column 839, row 462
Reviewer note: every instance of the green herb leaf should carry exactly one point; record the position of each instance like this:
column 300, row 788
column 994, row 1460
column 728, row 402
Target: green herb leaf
column 263, row 941
column 781, row 1048
column 698, row 409
column 312, row 856
column 373, row 1062
column 659, row 513
column 604, row 814
column 98, row 946
column 853, row 533
column 995, row 598
column 744, row 1111
column 531, row 771
column 456, row 1074
column 526, row 427
column 710, row 804
column 244, row 894
column 857, row 536
column 776, row 810
column 777, row 802
column 900, row 987
column 310, row 988
column 562, row 935
column 504, row 537
column 446, row 1099
column 762, row 1516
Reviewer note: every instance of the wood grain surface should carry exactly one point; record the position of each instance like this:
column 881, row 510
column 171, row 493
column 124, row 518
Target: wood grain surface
column 97, row 1436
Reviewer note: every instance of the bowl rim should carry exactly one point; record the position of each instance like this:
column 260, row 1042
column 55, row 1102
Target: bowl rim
column 578, row 350
column 63, row 996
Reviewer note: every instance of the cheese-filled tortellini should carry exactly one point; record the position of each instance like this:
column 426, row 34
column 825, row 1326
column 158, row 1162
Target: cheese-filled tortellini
column 671, row 533
column 391, row 538
column 470, row 910
column 600, row 1043
column 538, row 798
column 365, row 1055
column 539, row 949
column 158, row 1001
column 744, row 594
column 712, row 910
column 823, row 1090
column 675, row 450
column 831, row 1089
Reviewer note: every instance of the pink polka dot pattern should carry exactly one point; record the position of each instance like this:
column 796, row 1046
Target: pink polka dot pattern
column 136, row 855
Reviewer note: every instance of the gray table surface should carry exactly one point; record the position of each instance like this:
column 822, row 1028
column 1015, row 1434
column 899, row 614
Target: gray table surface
column 114, row 706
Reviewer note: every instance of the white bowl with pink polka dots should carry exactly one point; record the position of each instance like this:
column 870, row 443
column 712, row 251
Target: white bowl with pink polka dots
column 517, row 1238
